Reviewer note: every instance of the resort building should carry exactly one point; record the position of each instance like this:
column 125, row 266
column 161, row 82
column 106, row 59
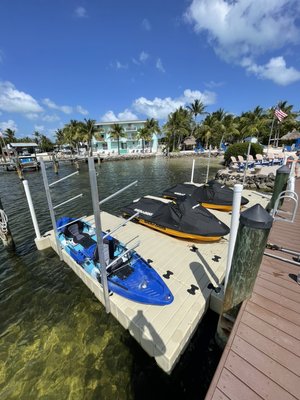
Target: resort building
column 130, row 143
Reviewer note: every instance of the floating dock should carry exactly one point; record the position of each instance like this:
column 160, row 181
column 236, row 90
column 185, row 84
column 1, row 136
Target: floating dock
column 262, row 357
column 190, row 269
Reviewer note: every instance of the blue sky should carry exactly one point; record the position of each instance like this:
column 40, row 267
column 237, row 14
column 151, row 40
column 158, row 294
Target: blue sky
column 116, row 60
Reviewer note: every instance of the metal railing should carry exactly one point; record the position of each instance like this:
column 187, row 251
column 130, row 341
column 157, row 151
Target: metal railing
column 277, row 212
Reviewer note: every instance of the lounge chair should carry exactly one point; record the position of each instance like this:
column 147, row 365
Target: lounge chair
column 280, row 157
column 261, row 160
column 250, row 163
column 271, row 158
column 235, row 164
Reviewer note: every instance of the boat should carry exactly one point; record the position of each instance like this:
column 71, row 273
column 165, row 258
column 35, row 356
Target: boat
column 211, row 195
column 129, row 276
column 186, row 219
column 29, row 162
column 25, row 162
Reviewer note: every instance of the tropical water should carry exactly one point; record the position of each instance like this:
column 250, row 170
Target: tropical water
column 56, row 340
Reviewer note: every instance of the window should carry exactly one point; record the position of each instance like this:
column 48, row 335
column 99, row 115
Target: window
column 123, row 145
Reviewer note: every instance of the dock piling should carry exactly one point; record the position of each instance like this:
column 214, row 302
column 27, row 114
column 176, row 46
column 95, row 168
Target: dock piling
column 55, row 164
column 281, row 180
column 5, row 233
column 19, row 169
column 254, row 227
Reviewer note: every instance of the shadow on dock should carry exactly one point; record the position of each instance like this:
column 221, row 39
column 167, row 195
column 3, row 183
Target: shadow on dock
column 151, row 339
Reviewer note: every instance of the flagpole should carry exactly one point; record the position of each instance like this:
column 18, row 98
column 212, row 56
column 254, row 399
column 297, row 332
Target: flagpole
column 271, row 131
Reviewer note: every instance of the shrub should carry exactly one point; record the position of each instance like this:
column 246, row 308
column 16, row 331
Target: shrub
column 241, row 149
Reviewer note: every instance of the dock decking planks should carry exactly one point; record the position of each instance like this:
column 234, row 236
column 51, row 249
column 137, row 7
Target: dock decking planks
column 262, row 356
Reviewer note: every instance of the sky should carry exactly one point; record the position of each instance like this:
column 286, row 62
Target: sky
column 111, row 60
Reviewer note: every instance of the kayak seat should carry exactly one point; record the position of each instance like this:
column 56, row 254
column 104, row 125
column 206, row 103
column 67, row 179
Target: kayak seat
column 90, row 248
column 75, row 232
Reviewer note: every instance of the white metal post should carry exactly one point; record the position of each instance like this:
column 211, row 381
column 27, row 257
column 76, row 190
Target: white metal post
column 236, row 206
column 31, row 209
column 193, row 168
column 50, row 205
column 98, row 228
column 246, row 166
column 207, row 171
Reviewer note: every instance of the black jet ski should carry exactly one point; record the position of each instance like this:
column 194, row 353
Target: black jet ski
column 186, row 219
column 210, row 195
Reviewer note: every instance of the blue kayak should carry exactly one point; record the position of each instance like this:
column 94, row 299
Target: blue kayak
column 129, row 276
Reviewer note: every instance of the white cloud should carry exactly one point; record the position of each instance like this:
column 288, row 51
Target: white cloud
column 246, row 28
column 81, row 110
column 66, row 109
column 275, row 70
column 146, row 25
column 13, row 100
column 39, row 128
column 160, row 108
column 119, row 65
column 80, row 12
column 50, row 104
column 50, row 118
column 109, row 116
column 143, row 56
column 159, row 65
column 213, row 84
column 126, row 115
column 10, row 124
column 32, row 116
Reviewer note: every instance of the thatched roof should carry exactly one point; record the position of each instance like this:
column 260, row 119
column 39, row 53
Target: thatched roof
column 291, row 135
column 190, row 141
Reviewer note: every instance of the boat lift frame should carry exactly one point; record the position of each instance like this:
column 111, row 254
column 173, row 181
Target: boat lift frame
column 50, row 204
column 97, row 219
column 98, row 228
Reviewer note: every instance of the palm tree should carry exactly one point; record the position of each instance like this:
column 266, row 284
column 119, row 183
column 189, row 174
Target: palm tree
column 72, row 133
column 210, row 129
column 151, row 127
column 116, row 133
column 60, row 138
column 88, row 131
column 254, row 123
column 45, row 143
column 144, row 134
column 37, row 137
column 9, row 135
column 178, row 127
column 196, row 108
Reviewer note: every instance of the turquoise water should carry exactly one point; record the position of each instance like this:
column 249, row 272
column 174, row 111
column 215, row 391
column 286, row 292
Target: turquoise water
column 56, row 340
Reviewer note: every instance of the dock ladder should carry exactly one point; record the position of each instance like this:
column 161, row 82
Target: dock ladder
column 280, row 215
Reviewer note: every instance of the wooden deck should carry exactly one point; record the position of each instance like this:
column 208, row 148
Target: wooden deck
column 262, row 357
column 164, row 332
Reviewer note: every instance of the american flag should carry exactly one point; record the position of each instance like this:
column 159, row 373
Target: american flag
column 280, row 114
